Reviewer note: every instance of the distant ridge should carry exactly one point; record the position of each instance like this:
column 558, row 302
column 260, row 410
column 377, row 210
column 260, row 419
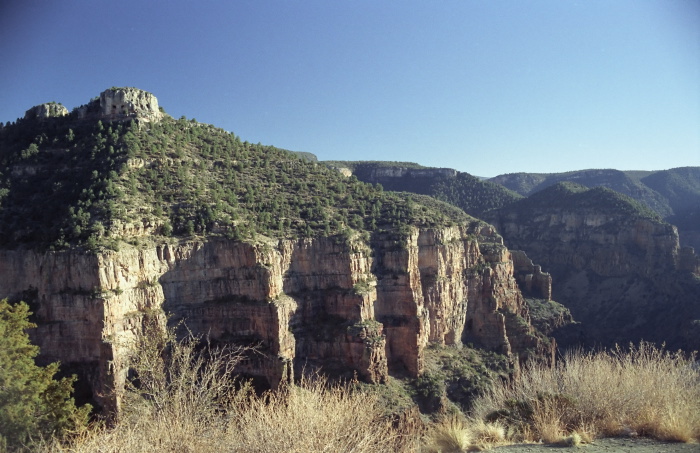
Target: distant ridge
column 674, row 194
column 470, row 193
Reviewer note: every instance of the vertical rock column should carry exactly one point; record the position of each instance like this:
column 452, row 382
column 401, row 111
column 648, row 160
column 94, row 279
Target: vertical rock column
column 400, row 305
column 331, row 281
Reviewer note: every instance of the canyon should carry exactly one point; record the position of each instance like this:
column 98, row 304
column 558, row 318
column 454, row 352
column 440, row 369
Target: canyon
column 625, row 273
column 172, row 223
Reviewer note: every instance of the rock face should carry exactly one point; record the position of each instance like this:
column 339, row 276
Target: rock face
column 45, row 111
column 532, row 280
column 119, row 104
column 378, row 173
column 343, row 305
column 622, row 277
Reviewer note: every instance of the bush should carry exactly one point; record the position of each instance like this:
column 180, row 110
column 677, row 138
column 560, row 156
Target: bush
column 183, row 398
column 451, row 435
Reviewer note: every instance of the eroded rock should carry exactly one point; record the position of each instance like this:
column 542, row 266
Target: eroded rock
column 45, row 111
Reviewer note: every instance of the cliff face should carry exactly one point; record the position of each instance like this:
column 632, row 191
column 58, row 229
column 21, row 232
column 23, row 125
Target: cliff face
column 621, row 276
column 342, row 305
column 608, row 245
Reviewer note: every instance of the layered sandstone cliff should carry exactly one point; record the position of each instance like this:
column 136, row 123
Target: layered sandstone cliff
column 621, row 273
column 340, row 304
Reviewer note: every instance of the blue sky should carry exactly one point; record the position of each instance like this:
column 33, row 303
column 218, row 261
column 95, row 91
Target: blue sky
column 486, row 87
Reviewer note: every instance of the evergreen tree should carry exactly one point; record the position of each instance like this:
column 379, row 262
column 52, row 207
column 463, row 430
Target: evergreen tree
column 32, row 403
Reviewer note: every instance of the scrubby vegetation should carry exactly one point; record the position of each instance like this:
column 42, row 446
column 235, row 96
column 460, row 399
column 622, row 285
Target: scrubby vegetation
column 182, row 396
column 680, row 186
column 630, row 183
column 463, row 190
column 667, row 192
column 566, row 195
column 473, row 195
column 456, row 376
column 65, row 183
column 190, row 402
column 547, row 315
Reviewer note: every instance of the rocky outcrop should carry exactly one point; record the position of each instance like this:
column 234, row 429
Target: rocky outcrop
column 533, row 282
column 688, row 261
column 45, row 111
column 120, row 104
column 377, row 173
column 339, row 304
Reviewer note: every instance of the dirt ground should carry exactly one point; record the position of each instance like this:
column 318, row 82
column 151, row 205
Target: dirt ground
column 612, row 445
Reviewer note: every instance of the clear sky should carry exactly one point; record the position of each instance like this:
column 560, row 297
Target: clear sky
column 483, row 86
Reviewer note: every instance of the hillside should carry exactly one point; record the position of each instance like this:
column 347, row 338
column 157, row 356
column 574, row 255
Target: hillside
column 614, row 263
column 673, row 194
column 68, row 182
column 627, row 183
column 463, row 190
column 116, row 217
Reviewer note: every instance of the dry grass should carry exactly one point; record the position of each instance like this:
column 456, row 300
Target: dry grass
column 487, row 434
column 645, row 390
column 313, row 416
column 450, row 435
column 189, row 403
column 453, row 434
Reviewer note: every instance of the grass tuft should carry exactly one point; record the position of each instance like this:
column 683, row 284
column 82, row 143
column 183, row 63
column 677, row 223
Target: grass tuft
column 450, row 435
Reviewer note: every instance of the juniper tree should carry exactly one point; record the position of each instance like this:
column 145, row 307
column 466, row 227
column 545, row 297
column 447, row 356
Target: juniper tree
column 32, row 403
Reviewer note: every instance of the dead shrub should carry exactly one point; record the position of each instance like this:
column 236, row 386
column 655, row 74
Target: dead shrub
column 184, row 398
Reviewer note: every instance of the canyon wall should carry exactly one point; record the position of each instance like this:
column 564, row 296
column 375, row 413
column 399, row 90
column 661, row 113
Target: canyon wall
column 623, row 277
column 339, row 304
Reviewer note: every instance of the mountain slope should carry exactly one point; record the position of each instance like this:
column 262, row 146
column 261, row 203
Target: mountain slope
column 463, row 190
column 88, row 183
column 674, row 194
column 614, row 264
column 115, row 217
column 619, row 181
